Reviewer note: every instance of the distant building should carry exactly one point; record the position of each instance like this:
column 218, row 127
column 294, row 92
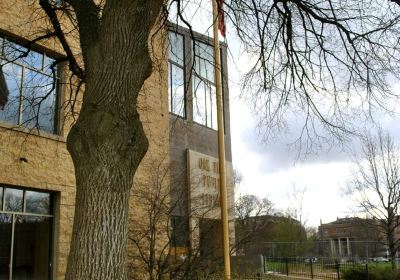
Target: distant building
column 352, row 238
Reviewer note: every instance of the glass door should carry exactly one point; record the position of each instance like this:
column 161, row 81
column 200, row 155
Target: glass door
column 25, row 234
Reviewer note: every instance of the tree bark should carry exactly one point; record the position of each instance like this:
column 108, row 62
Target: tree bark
column 107, row 143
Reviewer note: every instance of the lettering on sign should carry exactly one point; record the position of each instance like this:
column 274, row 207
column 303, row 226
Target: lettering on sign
column 204, row 185
column 216, row 167
column 210, row 182
column 210, row 200
column 204, row 164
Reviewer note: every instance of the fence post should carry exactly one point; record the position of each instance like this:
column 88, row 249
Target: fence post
column 264, row 266
column 338, row 269
column 287, row 266
column 366, row 269
column 312, row 272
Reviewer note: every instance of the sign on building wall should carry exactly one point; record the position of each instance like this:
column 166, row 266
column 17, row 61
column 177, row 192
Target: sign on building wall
column 203, row 173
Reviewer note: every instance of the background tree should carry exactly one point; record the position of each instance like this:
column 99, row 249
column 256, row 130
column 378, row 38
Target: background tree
column 290, row 237
column 295, row 209
column 252, row 214
column 322, row 62
column 160, row 239
column 311, row 56
column 375, row 185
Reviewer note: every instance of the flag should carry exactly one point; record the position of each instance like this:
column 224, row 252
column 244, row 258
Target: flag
column 3, row 90
column 221, row 17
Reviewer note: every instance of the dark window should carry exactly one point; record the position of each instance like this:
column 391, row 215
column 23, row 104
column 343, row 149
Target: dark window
column 27, row 87
column 176, row 76
column 5, row 245
column 1, row 198
column 31, row 254
column 26, row 235
column 180, row 232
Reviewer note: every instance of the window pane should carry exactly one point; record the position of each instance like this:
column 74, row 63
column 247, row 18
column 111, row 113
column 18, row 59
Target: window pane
column 38, row 89
column 212, row 110
column 177, row 89
column 37, row 202
column 13, row 51
column 204, row 58
column 175, row 48
column 5, row 244
column 12, row 74
column 13, row 200
column 199, row 101
column 31, row 247
column 1, row 46
column 33, row 60
column 47, row 64
column 38, row 101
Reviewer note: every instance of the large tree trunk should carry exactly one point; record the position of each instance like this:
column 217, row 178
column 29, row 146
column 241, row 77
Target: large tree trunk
column 107, row 142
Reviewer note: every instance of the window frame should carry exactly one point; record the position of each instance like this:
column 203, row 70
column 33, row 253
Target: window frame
column 190, row 36
column 14, row 215
column 169, row 76
column 57, row 82
column 208, row 85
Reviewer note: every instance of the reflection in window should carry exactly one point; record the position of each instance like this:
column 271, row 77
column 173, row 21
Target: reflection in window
column 13, row 199
column 176, row 76
column 204, row 61
column 37, row 202
column 204, row 94
column 30, row 96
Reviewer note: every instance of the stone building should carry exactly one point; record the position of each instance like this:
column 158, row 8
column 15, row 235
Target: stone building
column 351, row 238
column 193, row 143
column 37, row 184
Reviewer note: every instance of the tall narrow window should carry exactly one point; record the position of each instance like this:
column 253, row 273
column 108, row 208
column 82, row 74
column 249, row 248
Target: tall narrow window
column 180, row 234
column 204, row 94
column 27, row 87
column 25, row 233
column 176, row 74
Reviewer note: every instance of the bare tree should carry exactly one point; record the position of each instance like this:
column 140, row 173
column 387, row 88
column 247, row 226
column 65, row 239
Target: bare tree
column 306, row 52
column 252, row 214
column 162, row 242
column 295, row 209
column 325, row 62
column 376, row 186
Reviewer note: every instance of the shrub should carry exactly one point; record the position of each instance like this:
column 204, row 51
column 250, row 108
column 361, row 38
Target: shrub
column 373, row 274
column 356, row 274
column 391, row 275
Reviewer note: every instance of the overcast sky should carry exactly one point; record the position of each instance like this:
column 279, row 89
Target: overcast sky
column 272, row 169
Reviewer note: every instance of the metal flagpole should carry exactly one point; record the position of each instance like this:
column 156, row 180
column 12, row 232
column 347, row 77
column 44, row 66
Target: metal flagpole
column 221, row 146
